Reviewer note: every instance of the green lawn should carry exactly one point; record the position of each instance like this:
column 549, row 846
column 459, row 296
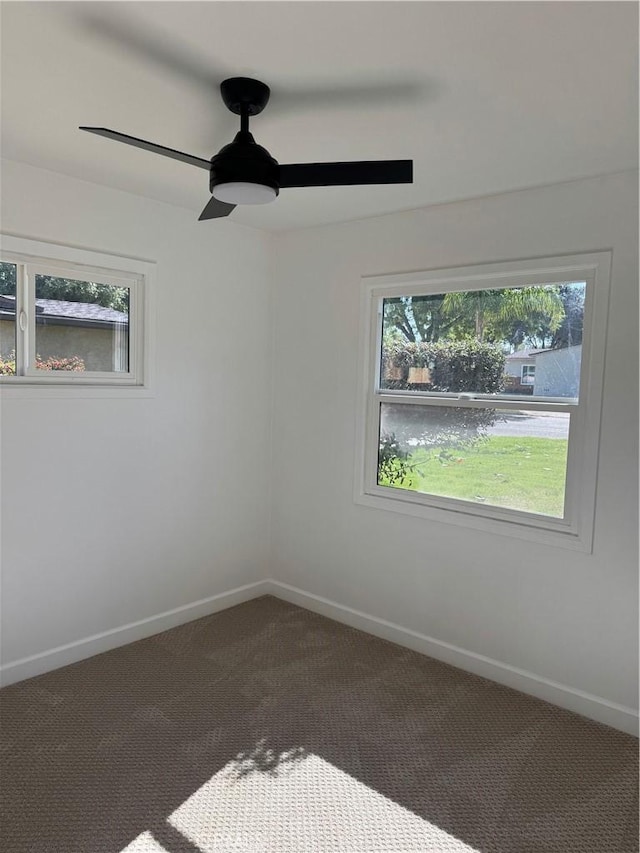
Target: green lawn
column 520, row 473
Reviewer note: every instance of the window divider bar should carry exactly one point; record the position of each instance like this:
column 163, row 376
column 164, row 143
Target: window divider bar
column 22, row 310
column 476, row 402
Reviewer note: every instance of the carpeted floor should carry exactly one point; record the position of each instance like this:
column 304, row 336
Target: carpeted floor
column 269, row 728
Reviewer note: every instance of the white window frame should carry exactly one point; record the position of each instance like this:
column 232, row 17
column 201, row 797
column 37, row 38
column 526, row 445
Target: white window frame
column 526, row 371
column 575, row 529
column 37, row 258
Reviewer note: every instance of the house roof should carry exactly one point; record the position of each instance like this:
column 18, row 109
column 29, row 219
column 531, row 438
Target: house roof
column 526, row 352
column 61, row 312
column 561, row 349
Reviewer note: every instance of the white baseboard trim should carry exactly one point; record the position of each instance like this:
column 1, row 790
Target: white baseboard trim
column 103, row 642
column 587, row 704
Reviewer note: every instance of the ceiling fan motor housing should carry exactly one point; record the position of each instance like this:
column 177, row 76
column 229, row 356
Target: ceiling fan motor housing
column 244, row 160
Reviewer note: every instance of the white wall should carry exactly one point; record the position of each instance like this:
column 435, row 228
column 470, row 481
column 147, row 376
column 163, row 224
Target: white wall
column 562, row 615
column 115, row 510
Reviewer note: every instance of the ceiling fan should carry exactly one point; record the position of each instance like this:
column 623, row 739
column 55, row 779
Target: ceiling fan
column 244, row 172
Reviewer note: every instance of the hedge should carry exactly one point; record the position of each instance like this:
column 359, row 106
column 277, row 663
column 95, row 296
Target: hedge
column 455, row 366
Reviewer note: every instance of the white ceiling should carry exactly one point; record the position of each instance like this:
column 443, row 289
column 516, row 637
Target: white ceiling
column 483, row 96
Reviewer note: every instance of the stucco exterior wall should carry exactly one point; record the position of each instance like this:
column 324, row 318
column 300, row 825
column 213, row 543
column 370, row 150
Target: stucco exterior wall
column 558, row 372
column 96, row 347
column 7, row 338
column 513, row 366
column 513, row 372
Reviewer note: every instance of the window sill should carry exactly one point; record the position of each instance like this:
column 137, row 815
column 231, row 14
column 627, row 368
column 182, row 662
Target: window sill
column 24, row 390
column 515, row 528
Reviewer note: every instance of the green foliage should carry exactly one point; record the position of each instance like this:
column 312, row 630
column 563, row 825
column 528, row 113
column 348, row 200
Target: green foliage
column 393, row 469
column 52, row 362
column 8, row 364
column 73, row 362
column 492, row 314
column 68, row 290
column 455, row 366
column 416, row 318
column 569, row 332
column 7, row 279
column 510, row 315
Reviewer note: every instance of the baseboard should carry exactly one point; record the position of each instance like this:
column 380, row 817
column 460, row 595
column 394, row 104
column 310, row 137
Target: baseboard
column 79, row 650
column 586, row 704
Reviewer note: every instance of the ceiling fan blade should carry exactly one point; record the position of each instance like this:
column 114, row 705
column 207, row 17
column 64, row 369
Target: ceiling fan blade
column 338, row 96
column 346, row 174
column 216, row 209
column 140, row 38
column 149, row 146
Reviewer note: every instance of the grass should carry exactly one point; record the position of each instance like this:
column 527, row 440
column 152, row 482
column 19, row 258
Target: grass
column 527, row 474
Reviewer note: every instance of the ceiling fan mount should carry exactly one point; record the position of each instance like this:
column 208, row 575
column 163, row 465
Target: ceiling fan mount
column 244, row 172
column 243, row 161
column 245, row 95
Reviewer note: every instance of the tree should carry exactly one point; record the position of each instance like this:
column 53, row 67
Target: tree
column 537, row 330
column 7, row 279
column 496, row 314
column 67, row 289
column 512, row 315
column 416, row 318
column 569, row 332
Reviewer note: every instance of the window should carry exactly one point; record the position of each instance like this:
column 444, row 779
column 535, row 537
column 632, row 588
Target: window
column 481, row 395
column 528, row 374
column 70, row 317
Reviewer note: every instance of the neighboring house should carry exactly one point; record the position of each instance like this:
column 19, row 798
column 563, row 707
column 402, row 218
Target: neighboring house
column 544, row 372
column 97, row 335
column 557, row 372
column 520, row 370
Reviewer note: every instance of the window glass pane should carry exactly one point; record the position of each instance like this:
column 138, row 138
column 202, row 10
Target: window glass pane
column 524, row 340
column 496, row 457
column 7, row 319
column 81, row 325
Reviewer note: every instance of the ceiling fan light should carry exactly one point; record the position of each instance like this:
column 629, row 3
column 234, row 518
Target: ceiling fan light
column 242, row 192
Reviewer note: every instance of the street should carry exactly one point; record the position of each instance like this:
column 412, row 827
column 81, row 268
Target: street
column 532, row 425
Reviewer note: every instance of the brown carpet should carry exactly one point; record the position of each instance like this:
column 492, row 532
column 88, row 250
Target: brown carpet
column 269, row 728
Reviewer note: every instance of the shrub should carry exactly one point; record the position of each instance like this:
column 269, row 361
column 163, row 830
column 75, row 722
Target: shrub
column 8, row 364
column 393, row 467
column 74, row 363
column 456, row 366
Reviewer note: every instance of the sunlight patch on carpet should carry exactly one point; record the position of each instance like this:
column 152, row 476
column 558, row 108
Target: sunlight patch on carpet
column 144, row 843
column 296, row 801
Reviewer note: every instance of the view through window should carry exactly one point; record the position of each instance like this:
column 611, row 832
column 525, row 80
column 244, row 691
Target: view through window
column 52, row 324
column 476, row 394
column 8, row 280
column 81, row 325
